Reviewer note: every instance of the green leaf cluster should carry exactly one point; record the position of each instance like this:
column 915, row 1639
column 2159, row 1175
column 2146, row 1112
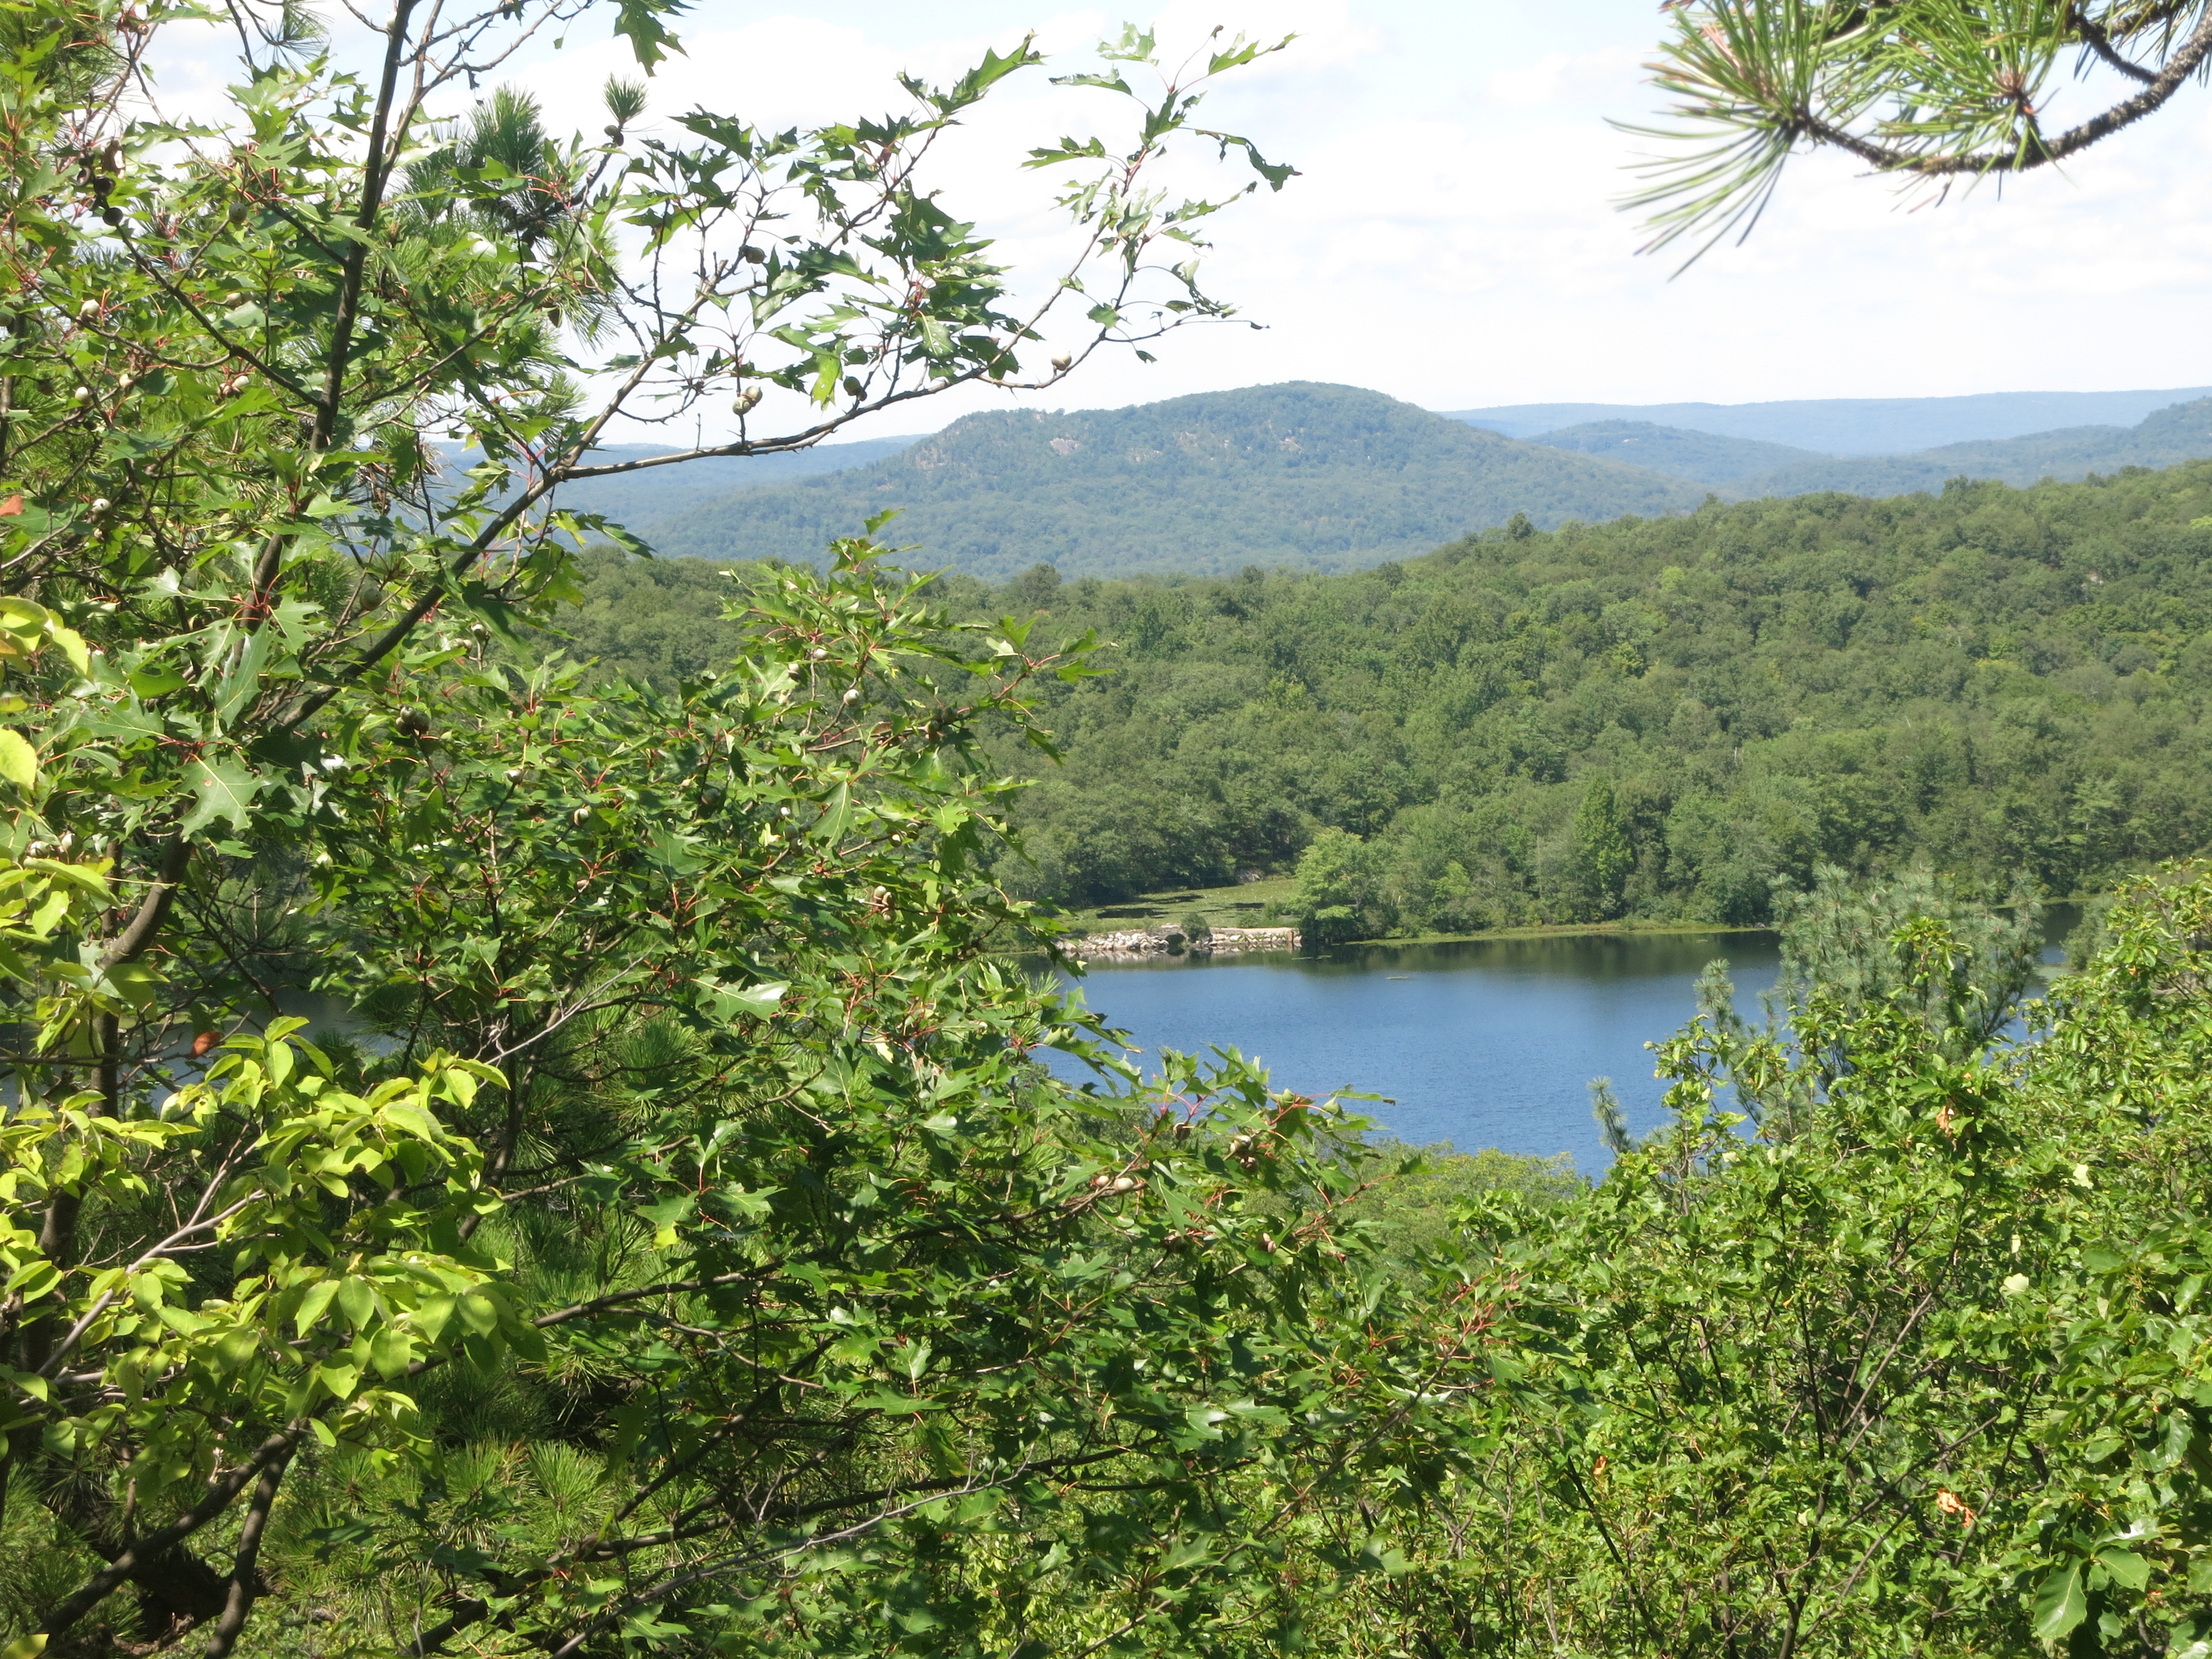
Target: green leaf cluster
column 1922, row 1366
column 668, row 1210
column 1986, row 681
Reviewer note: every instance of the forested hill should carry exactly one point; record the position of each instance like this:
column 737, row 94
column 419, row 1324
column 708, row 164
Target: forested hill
column 1655, row 718
column 654, row 494
column 1306, row 474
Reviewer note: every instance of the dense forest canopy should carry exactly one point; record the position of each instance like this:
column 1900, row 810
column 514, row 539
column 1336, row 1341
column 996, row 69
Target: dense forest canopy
column 1999, row 681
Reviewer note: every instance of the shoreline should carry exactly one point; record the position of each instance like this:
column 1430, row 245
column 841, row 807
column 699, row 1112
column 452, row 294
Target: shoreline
column 1102, row 951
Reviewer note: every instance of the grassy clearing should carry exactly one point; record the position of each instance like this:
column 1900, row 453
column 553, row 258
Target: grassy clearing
column 1245, row 904
column 1254, row 904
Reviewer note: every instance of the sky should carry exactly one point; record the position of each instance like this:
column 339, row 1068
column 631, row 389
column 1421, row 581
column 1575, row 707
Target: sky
column 1454, row 238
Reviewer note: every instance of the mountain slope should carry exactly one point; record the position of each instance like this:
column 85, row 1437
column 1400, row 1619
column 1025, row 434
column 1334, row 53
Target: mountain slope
column 2167, row 437
column 1855, row 426
column 1700, row 457
column 641, row 499
column 1322, row 477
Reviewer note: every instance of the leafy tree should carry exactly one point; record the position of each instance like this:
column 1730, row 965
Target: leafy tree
column 1933, row 92
column 1603, row 856
column 2000, row 685
column 262, row 1295
column 1335, row 896
column 1925, row 1369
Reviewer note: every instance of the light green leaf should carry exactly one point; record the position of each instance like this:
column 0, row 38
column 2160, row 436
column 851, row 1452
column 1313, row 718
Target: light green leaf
column 2060, row 1605
column 136, row 982
column 221, row 790
column 728, row 1001
column 19, row 761
column 2126, row 1567
column 357, row 1301
column 340, row 1379
column 72, row 646
column 389, row 1351
column 312, row 1305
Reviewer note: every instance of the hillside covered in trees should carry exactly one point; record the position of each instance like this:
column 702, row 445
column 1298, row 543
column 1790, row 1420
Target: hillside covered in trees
column 1318, row 476
column 1653, row 719
column 1305, row 477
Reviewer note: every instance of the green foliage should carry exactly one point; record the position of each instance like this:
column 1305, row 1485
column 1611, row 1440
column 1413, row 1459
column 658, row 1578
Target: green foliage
column 1314, row 477
column 1335, row 889
column 1602, row 856
column 1836, row 937
column 1991, row 681
column 1923, row 1368
column 1941, row 90
column 678, row 1218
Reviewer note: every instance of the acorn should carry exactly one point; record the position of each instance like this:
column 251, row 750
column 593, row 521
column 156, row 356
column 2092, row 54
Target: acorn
column 753, row 256
column 747, row 399
column 1063, row 363
column 414, row 722
column 852, row 387
column 88, row 311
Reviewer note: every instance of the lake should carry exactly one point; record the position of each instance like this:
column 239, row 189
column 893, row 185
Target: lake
column 1483, row 1043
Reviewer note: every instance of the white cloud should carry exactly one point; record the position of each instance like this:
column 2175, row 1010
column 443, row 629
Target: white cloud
column 1454, row 238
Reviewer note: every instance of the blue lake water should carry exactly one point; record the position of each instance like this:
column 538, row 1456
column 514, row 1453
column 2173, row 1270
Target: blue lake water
column 1488, row 1042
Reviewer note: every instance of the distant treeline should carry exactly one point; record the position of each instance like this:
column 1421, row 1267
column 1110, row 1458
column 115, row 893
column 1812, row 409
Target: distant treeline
column 1655, row 718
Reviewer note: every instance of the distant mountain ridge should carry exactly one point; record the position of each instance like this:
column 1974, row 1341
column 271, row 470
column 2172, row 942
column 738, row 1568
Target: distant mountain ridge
column 2165, row 438
column 1316, row 477
column 1301, row 475
column 1679, row 453
column 1855, row 426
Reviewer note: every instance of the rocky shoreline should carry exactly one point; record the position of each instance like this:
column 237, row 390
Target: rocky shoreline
column 1135, row 944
